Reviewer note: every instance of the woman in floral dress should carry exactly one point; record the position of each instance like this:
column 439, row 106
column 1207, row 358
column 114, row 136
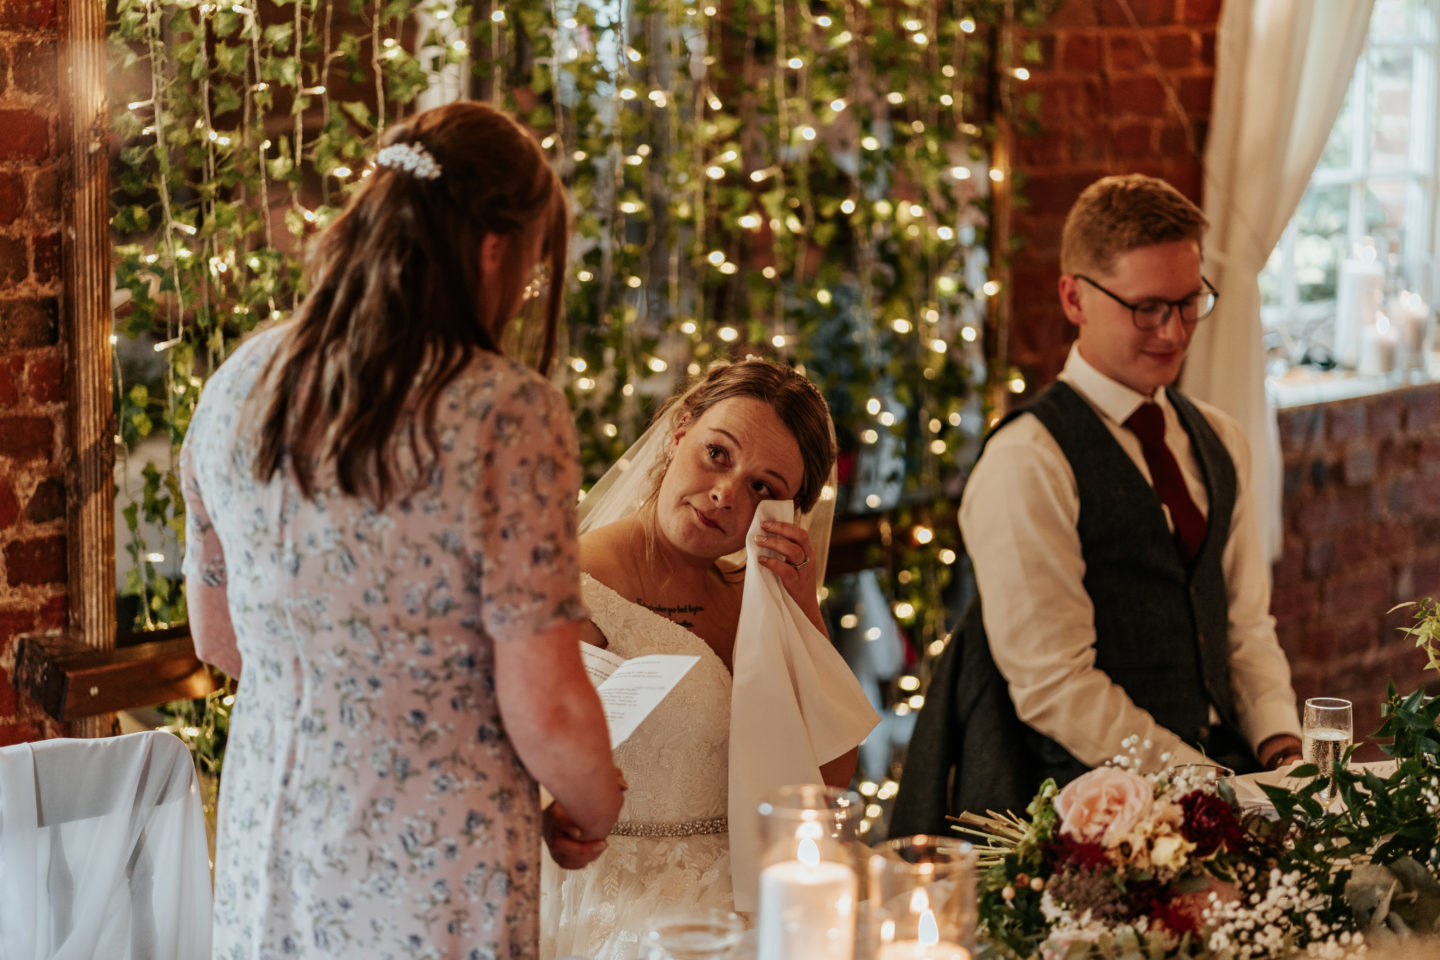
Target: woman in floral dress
column 381, row 546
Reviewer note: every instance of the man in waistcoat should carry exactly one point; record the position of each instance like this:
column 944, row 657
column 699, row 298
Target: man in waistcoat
column 1124, row 594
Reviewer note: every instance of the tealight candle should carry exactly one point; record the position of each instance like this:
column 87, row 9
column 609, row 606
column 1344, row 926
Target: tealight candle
column 807, row 908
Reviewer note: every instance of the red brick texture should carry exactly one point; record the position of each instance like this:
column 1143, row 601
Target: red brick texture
column 1124, row 88
column 1362, row 533
column 32, row 354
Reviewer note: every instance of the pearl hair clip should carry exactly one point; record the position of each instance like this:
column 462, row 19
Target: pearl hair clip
column 411, row 157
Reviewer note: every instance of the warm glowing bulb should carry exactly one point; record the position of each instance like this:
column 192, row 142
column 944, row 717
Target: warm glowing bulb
column 729, row 334
column 991, row 288
column 968, row 334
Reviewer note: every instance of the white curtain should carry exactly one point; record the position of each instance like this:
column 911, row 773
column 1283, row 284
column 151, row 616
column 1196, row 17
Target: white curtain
column 1282, row 68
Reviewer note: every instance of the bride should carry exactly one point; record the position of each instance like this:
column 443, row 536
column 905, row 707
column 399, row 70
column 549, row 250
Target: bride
column 717, row 477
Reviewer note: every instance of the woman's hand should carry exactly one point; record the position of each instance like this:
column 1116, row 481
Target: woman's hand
column 793, row 566
column 567, row 842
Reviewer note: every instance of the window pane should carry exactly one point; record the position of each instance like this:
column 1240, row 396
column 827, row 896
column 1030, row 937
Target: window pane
column 1321, row 232
column 1337, row 146
column 1391, row 82
column 1385, row 217
column 1395, row 20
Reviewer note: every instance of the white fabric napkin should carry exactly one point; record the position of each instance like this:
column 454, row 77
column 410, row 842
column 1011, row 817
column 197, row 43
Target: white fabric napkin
column 794, row 703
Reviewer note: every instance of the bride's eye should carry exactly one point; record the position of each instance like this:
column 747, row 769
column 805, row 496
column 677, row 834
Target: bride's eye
column 714, row 451
column 763, row 490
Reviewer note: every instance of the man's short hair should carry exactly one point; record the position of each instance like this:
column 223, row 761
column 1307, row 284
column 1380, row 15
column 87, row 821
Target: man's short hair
column 1117, row 214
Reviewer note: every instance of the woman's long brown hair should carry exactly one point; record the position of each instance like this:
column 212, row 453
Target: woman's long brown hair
column 397, row 301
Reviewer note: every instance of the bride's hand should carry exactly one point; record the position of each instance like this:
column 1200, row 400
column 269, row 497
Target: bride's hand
column 793, row 566
column 563, row 838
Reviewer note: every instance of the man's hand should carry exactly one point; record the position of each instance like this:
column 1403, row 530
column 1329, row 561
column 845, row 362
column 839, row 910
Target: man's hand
column 566, row 841
column 1274, row 752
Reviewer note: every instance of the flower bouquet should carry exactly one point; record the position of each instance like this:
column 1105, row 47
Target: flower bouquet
column 1121, row 865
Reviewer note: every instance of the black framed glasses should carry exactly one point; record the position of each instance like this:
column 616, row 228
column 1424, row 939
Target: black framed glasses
column 1149, row 314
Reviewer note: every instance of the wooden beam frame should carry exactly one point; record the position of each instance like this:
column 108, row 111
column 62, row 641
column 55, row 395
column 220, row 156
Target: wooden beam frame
column 87, row 325
column 73, row 681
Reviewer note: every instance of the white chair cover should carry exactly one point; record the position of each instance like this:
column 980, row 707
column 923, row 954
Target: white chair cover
column 102, row 851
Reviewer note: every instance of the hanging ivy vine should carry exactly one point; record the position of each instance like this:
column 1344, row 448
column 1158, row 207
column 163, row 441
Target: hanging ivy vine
column 804, row 180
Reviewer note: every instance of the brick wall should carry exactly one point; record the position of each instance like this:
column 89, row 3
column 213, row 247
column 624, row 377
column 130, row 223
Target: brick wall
column 32, row 358
column 1116, row 96
column 1362, row 533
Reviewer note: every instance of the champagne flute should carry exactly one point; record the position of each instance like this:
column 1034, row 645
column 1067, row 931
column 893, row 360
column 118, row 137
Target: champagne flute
column 1328, row 732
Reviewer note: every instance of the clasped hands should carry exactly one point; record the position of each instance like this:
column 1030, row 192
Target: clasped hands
column 569, row 846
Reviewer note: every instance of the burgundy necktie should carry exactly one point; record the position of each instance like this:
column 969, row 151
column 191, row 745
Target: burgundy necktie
column 1148, row 423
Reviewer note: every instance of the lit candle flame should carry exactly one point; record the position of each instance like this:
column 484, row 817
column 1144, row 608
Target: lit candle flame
column 929, row 929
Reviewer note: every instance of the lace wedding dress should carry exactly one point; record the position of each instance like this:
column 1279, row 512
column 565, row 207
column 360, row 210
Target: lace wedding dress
column 670, row 849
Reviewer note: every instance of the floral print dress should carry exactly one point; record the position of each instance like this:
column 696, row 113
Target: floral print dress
column 371, row 803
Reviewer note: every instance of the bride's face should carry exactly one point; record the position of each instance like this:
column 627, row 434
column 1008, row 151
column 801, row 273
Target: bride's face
column 733, row 456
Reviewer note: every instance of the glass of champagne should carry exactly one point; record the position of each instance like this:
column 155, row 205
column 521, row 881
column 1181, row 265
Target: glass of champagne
column 1328, row 732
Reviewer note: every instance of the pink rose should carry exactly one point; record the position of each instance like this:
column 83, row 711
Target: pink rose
column 1104, row 806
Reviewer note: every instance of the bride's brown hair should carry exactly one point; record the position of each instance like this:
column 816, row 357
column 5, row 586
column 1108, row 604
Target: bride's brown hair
column 397, row 299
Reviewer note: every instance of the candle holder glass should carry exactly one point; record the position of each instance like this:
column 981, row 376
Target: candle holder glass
column 809, row 874
column 922, row 900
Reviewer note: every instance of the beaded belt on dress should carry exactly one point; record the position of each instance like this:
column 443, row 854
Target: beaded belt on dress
column 686, row 828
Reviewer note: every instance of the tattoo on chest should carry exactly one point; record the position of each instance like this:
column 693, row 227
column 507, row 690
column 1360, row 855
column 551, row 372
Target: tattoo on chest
column 680, row 614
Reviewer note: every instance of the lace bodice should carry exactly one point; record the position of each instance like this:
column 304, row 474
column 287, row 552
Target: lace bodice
column 677, row 766
column 677, row 761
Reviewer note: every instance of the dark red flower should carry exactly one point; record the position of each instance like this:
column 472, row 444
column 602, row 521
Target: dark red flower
column 1063, row 851
column 1210, row 823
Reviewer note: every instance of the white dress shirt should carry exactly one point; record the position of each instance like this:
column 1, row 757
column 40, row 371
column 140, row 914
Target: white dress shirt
column 1019, row 516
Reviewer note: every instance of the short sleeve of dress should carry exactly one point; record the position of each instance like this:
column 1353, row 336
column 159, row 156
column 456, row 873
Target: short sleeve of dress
column 520, row 519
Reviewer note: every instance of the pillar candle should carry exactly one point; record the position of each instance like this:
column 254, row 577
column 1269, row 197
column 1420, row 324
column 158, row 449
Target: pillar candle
column 1359, row 295
column 1378, row 347
column 807, row 910
column 915, row 950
